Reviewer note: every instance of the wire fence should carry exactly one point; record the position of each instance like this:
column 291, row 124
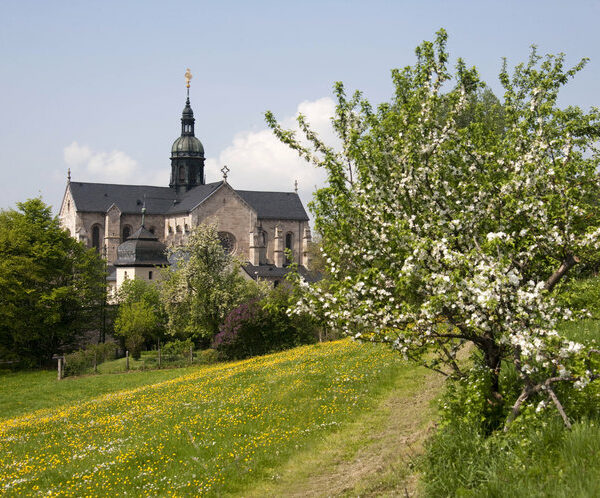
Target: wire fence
column 108, row 358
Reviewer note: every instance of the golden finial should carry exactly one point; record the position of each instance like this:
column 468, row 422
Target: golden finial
column 188, row 77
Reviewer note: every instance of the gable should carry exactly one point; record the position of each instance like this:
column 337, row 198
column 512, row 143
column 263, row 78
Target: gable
column 224, row 207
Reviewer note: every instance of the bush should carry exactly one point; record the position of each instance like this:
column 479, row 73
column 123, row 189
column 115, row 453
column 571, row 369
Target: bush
column 82, row 361
column 208, row 357
column 263, row 326
column 176, row 349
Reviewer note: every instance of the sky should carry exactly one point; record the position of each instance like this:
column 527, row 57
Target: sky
column 98, row 87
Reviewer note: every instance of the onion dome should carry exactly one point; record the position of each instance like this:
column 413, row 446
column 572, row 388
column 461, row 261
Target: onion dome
column 187, row 145
column 142, row 249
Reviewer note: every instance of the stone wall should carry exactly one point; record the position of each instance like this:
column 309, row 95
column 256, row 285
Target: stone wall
column 294, row 227
column 231, row 214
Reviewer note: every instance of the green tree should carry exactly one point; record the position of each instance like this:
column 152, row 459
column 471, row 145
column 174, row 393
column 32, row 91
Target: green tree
column 449, row 217
column 136, row 323
column 51, row 287
column 141, row 317
column 203, row 285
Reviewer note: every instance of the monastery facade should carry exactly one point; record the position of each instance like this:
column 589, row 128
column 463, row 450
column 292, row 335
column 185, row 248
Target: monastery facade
column 255, row 226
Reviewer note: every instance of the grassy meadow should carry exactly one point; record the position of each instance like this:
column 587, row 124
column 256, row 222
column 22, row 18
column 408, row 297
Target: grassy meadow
column 201, row 430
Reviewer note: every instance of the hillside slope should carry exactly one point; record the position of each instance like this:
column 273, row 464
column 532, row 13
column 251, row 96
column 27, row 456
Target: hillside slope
column 213, row 430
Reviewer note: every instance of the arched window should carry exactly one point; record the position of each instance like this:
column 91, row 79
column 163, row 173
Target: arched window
column 186, row 228
column 170, row 229
column 96, row 237
column 126, row 233
column 289, row 240
column 178, row 228
column 181, row 174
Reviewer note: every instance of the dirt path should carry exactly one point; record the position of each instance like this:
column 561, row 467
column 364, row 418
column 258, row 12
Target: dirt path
column 370, row 457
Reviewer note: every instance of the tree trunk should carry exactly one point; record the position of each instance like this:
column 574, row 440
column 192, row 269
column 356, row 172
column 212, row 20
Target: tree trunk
column 492, row 354
column 569, row 262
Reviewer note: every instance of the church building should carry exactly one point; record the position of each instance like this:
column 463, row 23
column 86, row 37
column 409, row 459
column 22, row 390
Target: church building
column 255, row 226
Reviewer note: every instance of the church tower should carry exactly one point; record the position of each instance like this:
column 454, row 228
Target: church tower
column 187, row 153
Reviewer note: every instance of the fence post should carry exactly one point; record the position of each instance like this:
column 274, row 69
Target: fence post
column 59, row 368
column 95, row 362
column 191, row 354
column 159, row 354
column 126, row 360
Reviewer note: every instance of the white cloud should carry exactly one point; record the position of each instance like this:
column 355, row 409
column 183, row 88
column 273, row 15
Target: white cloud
column 258, row 161
column 113, row 167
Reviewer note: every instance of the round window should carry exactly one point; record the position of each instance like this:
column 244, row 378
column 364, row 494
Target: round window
column 227, row 241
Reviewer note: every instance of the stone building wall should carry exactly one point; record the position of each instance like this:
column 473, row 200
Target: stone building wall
column 224, row 207
column 231, row 214
column 295, row 227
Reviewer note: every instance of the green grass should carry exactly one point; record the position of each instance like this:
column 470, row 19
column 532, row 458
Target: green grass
column 584, row 331
column 537, row 458
column 149, row 361
column 204, row 430
column 539, row 461
column 25, row 392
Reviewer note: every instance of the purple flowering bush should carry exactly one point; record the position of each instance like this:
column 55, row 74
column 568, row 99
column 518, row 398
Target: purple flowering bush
column 263, row 326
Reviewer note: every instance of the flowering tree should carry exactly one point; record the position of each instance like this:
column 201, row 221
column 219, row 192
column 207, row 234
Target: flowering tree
column 203, row 286
column 449, row 219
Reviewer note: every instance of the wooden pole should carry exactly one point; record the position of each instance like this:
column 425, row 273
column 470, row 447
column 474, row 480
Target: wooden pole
column 59, row 368
column 126, row 360
column 95, row 361
column 159, row 354
column 191, row 354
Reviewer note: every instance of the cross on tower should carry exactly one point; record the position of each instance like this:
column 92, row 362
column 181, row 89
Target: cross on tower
column 225, row 170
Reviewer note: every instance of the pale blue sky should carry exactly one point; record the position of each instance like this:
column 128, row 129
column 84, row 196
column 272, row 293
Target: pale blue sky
column 108, row 75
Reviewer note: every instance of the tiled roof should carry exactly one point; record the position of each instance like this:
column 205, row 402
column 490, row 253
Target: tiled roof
column 272, row 271
column 98, row 197
column 189, row 200
column 275, row 205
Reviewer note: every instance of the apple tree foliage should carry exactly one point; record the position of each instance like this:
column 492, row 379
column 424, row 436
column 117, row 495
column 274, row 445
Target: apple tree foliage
column 448, row 219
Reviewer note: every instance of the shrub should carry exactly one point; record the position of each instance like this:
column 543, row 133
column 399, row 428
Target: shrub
column 82, row 361
column 263, row 326
column 536, row 457
column 208, row 357
column 177, row 350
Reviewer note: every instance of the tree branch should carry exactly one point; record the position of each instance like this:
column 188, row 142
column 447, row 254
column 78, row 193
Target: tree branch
column 559, row 407
column 517, row 407
column 569, row 262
